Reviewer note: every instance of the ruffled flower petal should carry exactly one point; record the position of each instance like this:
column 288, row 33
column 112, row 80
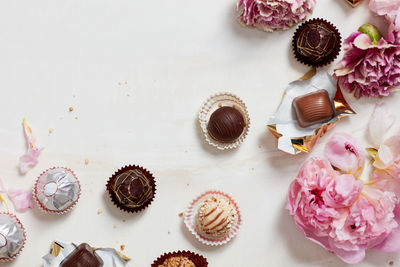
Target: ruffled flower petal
column 21, row 199
column 30, row 159
column 272, row 15
column 380, row 122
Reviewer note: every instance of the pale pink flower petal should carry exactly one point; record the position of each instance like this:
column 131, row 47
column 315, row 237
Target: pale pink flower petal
column 345, row 153
column 392, row 242
column 30, row 159
column 384, row 7
column 384, row 158
column 342, row 191
column 380, row 122
column 21, row 199
column 387, row 161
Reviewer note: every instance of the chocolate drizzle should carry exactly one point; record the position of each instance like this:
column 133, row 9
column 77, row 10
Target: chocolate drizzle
column 226, row 124
column 316, row 42
column 132, row 188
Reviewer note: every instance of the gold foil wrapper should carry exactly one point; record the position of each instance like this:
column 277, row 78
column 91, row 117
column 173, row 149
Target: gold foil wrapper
column 307, row 142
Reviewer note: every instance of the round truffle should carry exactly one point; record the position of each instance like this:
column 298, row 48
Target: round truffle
column 57, row 190
column 226, row 124
column 132, row 188
column 180, row 259
column 215, row 217
column 316, row 42
column 177, row 261
column 12, row 237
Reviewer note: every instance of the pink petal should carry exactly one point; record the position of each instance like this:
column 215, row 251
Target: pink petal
column 384, row 158
column 30, row 159
column 350, row 257
column 380, row 122
column 21, row 199
column 392, row 242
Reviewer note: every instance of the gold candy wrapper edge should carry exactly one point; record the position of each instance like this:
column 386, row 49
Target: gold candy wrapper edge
column 306, row 143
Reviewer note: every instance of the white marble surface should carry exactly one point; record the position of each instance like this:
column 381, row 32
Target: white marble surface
column 172, row 55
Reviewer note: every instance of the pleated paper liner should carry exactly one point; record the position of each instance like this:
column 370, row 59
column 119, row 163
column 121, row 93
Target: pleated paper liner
column 198, row 260
column 113, row 196
column 190, row 219
column 43, row 207
column 18, row 222
column 212, row 104
column 329, row 58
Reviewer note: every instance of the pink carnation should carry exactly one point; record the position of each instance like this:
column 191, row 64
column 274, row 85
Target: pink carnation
column 368, row 69
column 271, row 15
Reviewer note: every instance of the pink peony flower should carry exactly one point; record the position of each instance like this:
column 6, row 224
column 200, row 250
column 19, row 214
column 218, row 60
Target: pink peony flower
column 271, row 15
column 368, row 69
column 345, row 153
column 368, row 222
column 335, row 209
column 342, row 191
column 306, row 203
column 384, row 7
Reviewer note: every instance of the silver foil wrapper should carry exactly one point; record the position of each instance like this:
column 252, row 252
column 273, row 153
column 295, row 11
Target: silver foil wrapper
column 59, row 251
column 57, row 190
column 12, row 236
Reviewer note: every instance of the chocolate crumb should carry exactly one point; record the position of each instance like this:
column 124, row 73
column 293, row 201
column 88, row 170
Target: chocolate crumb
column 259, row 145
column 122, row 247
column 51, row 130
column 76, row 118
column 169, row 231
column 114, row 226
column 86, row 161
column 99, row 211
column 219, row 105
column 71, row 109
column 391, row 262
column 180, row 214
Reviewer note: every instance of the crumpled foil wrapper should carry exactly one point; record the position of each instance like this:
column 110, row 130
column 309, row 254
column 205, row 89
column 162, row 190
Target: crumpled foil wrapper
column 12, row 236
column 59, row 251
column 57, row 190
column 283, row 124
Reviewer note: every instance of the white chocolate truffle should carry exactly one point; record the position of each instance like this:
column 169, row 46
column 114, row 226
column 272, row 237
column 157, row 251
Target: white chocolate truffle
column 215, row 217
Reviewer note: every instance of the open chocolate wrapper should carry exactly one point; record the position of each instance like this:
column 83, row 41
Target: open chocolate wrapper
column 292, row 138
column 61, row 252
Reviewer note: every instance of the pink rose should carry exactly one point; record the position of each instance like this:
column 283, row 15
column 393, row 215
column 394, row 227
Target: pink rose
column 345, row 153
column 368, row 69
column 271, row 15
column 342, row 191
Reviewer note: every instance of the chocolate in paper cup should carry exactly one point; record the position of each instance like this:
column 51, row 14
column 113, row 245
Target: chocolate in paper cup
column 12, row 237
column 57, row 190
column 212, row 104
column 132, row 188
column 191, row 213
column 198, row 260
column 315, row 57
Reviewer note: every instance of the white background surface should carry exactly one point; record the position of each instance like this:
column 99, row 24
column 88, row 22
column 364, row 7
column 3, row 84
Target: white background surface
column 173, row 55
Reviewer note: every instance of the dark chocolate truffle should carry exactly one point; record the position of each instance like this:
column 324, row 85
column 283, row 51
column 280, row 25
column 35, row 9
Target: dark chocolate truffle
column 131, row 188
column 313, row 108
column 226, row 124
column 180, row 258
column 82, row 256
column 316, row 42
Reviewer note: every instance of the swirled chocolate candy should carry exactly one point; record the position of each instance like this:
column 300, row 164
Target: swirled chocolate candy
column 132, row 188
column 313, row 108
column 83, row 256
column 316, row 42
column 226, row 124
